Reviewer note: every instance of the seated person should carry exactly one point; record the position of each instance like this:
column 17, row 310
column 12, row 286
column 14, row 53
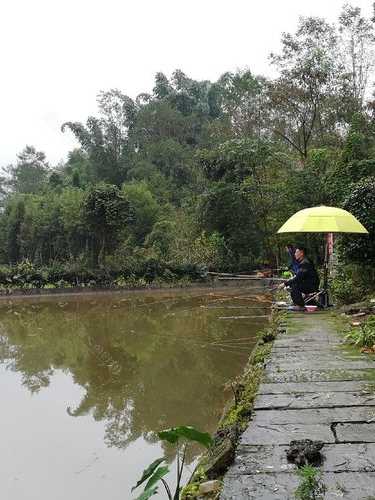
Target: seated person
column 305, row 281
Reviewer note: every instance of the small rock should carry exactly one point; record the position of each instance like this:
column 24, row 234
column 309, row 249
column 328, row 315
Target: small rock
column 209, row 487
column 356, row 323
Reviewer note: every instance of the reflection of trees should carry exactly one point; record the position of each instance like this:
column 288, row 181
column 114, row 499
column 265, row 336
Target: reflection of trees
column 143, row 367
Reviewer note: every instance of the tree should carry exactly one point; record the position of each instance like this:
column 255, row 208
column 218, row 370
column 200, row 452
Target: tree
column 250, row 176
column 162, row 86
column 16, row 218
column 234, row 160
column 72, row 218
column 359, row 142
column 55, row 181
column 106, row 211
column 243, row 99
column 30, row 173
column 76, row 179
column 361, row 203
column 161, row 237
column 144, row 210
column 105, row 139
column 350, row 163
column 358, row 39
column 226, row 210
column 78, row 170
column 301, row 98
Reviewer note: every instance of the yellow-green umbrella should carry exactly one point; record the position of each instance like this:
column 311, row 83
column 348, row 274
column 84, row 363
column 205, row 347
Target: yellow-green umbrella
column 322, row 220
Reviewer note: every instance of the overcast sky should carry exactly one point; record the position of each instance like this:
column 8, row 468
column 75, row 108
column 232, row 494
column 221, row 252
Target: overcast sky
column 57, row 55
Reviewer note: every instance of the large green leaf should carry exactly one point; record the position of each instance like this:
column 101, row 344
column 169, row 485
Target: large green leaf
column 148, row 493
column 158, row 474
column 149, row 471
column 173, row 434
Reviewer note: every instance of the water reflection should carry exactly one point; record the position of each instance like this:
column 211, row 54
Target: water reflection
column 145, row 361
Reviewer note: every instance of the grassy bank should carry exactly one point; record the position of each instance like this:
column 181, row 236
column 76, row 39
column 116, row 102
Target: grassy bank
column 28, row 276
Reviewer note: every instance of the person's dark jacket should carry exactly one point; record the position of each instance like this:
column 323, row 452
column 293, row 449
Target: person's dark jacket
column 307, row 278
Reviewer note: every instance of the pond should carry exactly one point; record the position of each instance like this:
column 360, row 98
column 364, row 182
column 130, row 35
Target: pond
column 86, row 381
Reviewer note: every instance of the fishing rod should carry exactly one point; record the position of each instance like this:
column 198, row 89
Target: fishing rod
column 265, row 288
column 253, row 275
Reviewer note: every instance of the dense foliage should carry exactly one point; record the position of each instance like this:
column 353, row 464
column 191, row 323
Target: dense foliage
column 200, row 173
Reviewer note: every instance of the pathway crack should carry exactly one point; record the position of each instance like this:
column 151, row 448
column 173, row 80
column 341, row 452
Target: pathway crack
column 333, row 429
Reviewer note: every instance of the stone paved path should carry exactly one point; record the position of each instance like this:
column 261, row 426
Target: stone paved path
column 313, row 388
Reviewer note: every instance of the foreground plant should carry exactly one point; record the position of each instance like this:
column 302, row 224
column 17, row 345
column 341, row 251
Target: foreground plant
column 155, row 472
column 311, row 486
column 364, row 334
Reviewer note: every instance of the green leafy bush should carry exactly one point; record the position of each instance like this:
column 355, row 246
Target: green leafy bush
column 361, row 203
column 352, row 283
column 363, row 335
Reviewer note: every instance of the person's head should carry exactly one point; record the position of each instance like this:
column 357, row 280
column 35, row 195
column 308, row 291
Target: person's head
column 300, row 253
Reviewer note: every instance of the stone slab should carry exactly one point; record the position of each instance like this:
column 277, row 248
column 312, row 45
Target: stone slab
column 306, row 387
column 313, row 400
column 336, row 458
column 360, row 432
column 318, row 364
column 296, row 345
column 318, row 343
column 303, row 348
column 346, row 485
column 316, row 416
column 308, row 344
column 303, row 332
column 259, row 487
column 336, row 355
column 284, row 433
column 272, row 376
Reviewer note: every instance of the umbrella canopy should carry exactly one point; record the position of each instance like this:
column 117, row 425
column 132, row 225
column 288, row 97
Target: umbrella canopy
column 322, row 220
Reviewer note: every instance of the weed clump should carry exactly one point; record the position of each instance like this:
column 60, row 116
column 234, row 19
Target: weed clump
column 311, row 486
column 363, row 335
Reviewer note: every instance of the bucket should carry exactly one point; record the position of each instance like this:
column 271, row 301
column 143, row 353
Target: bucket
column 311, row 309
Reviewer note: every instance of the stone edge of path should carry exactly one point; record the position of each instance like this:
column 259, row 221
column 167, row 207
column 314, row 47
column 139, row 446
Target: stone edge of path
column 223, row 452
column 332, row 403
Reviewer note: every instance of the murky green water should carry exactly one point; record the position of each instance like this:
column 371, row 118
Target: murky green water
column 85, row 381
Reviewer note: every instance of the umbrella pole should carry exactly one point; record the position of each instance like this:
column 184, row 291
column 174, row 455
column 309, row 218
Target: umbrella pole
column 325, row 283
column 325, row 275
